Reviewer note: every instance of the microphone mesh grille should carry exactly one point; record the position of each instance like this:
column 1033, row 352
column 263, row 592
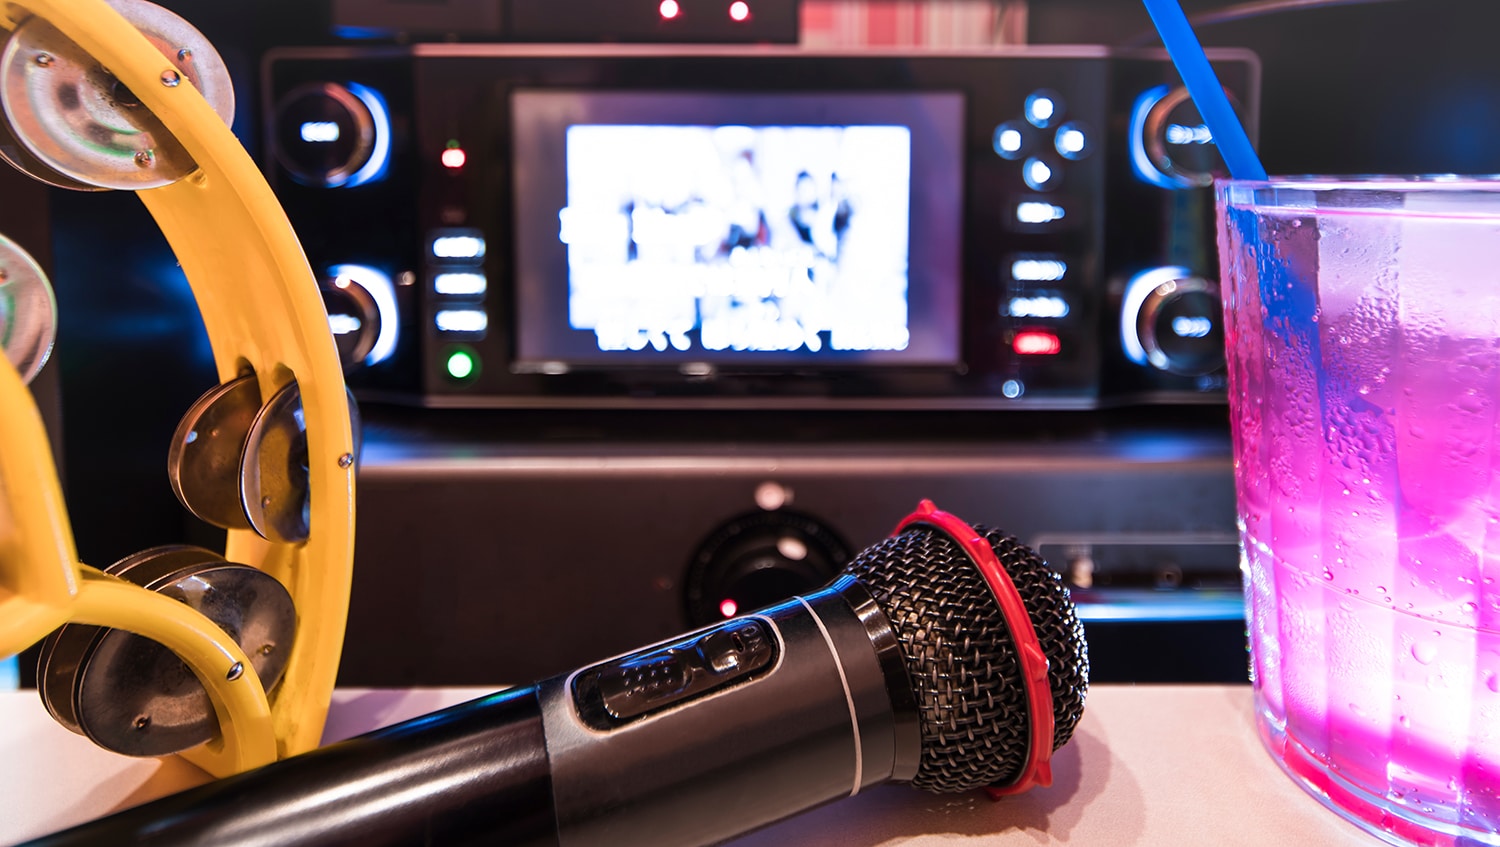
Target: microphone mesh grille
column 962, row 659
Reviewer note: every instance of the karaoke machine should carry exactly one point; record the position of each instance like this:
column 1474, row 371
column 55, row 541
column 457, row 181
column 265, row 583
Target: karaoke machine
column 756, row 227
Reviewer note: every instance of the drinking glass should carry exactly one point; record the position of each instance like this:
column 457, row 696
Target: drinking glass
column 1362, row 327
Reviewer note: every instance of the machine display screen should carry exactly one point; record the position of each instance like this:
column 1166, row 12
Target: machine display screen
column 775, row 229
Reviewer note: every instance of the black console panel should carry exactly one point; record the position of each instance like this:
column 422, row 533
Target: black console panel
column 756, row 227
column 496, row 547
column 645, row 337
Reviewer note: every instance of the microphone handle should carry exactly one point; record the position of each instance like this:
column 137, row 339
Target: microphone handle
column 832, row 713
column 475, row 774
column 685, row 743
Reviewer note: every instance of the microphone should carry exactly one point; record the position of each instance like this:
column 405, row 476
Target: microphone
column 945, row 656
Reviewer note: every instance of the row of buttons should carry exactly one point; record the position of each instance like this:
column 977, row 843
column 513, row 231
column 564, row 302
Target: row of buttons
column 1036, row 297
column 456, row 258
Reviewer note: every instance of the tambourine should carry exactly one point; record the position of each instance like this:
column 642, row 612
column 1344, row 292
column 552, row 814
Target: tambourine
column 227, row 659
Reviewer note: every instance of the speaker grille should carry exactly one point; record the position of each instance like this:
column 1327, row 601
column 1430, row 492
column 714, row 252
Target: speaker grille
column 961, row 657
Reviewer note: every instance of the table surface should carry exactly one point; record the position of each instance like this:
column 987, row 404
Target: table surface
column 1149, row 765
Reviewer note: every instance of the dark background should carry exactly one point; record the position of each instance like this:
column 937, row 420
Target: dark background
column 1386, row 87
column 1411, row 86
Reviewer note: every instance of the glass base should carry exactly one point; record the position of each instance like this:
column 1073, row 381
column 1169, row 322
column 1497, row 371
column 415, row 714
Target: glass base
column 1376, row 814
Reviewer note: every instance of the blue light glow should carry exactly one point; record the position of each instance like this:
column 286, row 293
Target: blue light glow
column 1139, row 161
column 383, row 292
column 1072, row 141
column 1038, row 173
column 1140, row 286
column 380, row 156
column 1041, row 108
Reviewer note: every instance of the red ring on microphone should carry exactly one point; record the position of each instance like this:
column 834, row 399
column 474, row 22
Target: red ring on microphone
column 1038, row 767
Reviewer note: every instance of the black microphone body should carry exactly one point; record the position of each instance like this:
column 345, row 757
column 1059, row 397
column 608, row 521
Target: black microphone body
column 795, row 725
column 691, row 741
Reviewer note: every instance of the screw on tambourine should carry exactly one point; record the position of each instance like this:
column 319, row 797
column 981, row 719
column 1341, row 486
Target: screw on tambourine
column 184, row 55
column 236, row 671
column 43, row 59
column 145, row 158
column 346, row 460
column 170, row 78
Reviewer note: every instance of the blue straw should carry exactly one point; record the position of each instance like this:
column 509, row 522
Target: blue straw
column 1182, row 45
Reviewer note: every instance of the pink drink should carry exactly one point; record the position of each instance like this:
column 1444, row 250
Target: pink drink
column 1363, row 333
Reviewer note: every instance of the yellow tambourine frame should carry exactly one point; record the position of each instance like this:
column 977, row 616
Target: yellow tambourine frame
column 263, row 311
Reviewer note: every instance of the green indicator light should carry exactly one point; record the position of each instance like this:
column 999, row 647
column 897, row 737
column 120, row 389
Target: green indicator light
column 460, row 365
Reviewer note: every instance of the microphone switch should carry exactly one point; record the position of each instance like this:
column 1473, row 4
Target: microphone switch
column 627, row 688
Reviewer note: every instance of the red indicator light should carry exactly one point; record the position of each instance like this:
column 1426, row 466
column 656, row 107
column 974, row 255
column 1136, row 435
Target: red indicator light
column 668, row 9
column 454, row 157
column 728, row 608
column 1036, row 343
column 739, row 10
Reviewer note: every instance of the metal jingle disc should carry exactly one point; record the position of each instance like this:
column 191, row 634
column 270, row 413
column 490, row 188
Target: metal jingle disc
column 273, row 470
column 20, row 158
column 158, row 566
column 28, row 310
column 135, row 697
column 58, row 660
column 78, row 120
column 63, row 652
column 203, row 463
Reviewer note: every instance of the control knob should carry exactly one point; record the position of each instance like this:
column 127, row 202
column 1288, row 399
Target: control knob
column 362, row 314
column 758, row 559
column 1173, row 321
column 331, row 135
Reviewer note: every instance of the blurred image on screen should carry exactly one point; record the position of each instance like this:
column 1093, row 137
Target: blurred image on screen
column 719, row 238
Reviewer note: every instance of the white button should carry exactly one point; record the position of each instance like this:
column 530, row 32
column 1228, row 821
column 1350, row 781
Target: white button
column 458, row 247
column 1032, row 212
column 459, row 283
column 1071, row 141
column 1043, row 108
column 1038, row 174
column 1038, row 270
column 1009, row 142
column 462, row 320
